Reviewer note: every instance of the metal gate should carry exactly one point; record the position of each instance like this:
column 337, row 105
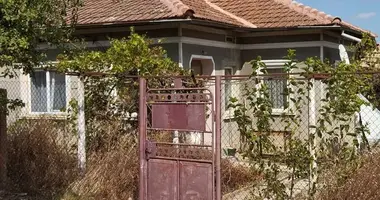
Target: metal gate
column 187, row 165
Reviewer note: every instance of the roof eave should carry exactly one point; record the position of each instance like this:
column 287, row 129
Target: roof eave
column 315, row 27
column 195, row 21
column 340, row 26
column 216, row 24
column 132, row 23
column 346, row 28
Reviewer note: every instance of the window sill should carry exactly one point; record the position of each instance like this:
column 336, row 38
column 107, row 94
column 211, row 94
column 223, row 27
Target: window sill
column 282, row 113
column 228, row 116
column 55, row 116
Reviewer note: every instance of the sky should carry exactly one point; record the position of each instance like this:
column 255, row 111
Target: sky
column 363, row 13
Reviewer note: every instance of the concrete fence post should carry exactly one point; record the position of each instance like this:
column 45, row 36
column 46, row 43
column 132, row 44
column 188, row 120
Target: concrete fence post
column 3, row 137
column 81, row 130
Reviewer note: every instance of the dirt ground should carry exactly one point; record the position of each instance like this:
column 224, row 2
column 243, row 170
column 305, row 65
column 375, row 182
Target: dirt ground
column 5, row 195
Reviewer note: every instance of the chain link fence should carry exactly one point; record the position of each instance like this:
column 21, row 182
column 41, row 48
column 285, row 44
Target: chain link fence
column 300, row 130
column 281, row 135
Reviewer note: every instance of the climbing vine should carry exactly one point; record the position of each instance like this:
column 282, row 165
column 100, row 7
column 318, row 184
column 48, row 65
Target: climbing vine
column 110, row 78
column 321, row 130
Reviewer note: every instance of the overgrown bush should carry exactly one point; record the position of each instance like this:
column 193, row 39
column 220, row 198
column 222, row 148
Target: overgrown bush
column 112, row 174
column 363, row 183
column 40, row 160
column 235, row 176
column 113, row 166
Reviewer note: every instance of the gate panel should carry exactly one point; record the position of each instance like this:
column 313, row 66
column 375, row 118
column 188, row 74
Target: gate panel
column 195, row 181
column 162, row 180
column 179, row 116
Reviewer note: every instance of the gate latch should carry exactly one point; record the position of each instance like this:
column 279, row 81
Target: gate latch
column 150, row 149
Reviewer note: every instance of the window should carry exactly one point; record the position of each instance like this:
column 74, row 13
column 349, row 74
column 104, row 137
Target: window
column 277, row 85
column 227, row 86
column 276, row 88
column 48, row 91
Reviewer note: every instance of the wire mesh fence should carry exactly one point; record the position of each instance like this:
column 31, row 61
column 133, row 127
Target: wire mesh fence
column 298, row 128
column 281, row 135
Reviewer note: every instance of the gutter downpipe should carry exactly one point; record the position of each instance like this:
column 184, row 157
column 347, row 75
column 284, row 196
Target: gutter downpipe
column 345, row 35
column 350, row 37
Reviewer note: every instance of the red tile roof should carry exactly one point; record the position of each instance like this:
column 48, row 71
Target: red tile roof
column 279, row 13
column 266, row 13
column 204, row 9
column 242, row 13
column 117, row 11
column 111, row 11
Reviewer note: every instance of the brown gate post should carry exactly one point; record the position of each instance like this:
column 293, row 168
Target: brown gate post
column 3, row 137
column 218, row 135
column 142, row 138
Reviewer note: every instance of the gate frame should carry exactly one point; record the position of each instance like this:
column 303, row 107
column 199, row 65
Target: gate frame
column 143, row 131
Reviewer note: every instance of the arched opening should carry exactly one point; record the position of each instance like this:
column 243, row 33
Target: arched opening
column 203, row 65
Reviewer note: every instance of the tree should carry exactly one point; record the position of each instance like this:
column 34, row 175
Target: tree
column 24, row 24
column 112, row 93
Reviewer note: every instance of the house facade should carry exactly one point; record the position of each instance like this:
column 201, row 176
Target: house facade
column 212, row 37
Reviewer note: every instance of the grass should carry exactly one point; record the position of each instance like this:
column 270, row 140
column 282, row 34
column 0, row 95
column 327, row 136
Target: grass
column 362, row 183
column 42, row 162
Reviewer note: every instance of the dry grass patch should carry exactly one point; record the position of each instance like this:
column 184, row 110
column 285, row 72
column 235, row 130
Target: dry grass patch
column 112, row 174
column 43, row 162
column 40, row 159
column 363, row 183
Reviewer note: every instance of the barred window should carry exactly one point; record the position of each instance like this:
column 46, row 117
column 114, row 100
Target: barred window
column 276, row 86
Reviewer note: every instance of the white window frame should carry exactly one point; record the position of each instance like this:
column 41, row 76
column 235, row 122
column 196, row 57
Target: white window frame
column 48, row 101
column 277, row 64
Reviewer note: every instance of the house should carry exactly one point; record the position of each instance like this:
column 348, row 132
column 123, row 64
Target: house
column 212, row 37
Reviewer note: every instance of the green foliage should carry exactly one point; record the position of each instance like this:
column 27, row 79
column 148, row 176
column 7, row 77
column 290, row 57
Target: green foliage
column 117, row 93
column 255, row 120
column 258, row 105
column 365, row 48
column 7, row 104
column 114, row 94
column 73, row 110
column 331, row 141
column 132, row 56
column 24, row 24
